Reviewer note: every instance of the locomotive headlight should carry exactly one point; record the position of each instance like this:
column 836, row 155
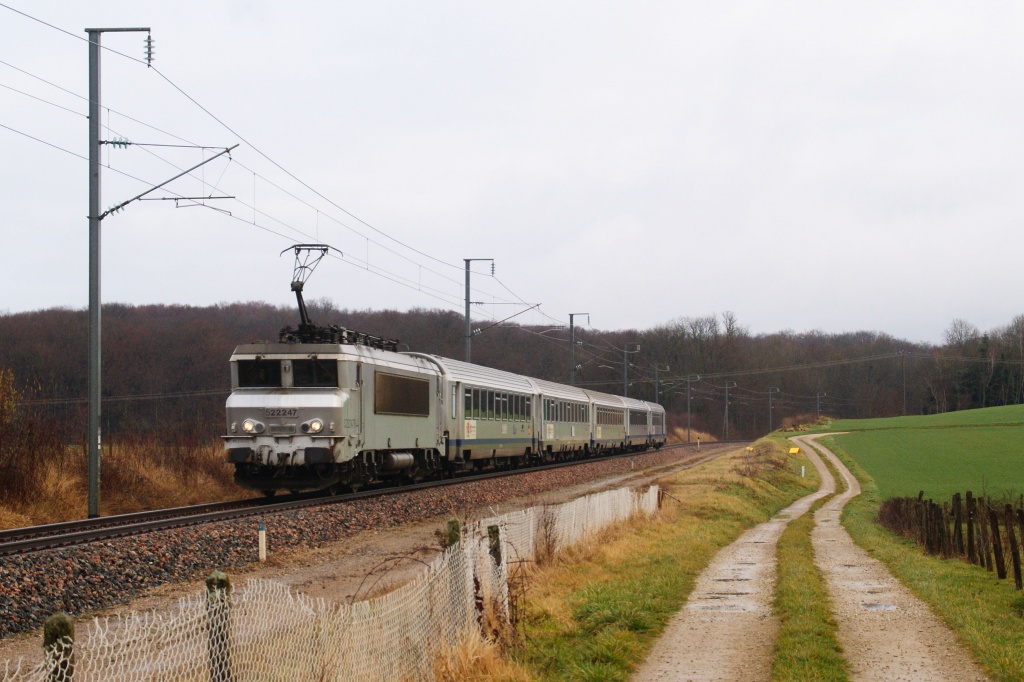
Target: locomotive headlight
column 252, row 426
column 316, row 426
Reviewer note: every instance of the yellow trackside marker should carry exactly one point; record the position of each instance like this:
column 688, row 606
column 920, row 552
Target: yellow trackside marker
column 794, row 451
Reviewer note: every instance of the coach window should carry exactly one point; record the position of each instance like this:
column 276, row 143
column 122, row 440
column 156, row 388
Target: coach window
column 503, row 407
column 469, row 403
column 490, row 405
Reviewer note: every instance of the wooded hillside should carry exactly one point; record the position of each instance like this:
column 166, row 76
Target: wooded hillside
column 166, row 366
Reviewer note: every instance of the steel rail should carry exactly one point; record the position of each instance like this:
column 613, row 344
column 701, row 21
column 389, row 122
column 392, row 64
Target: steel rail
column 57, row 535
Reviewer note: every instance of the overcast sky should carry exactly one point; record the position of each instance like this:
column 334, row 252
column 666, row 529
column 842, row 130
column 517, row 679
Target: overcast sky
column 832, row 166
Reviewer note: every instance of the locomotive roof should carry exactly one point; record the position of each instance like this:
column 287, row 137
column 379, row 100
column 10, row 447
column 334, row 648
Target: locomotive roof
column 412, row 361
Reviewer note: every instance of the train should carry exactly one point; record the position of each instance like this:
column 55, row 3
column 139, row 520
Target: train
column 328, row 408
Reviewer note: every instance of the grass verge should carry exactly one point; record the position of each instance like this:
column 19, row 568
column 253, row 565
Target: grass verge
column 807, row 647
column 985, row 613
column 595, row 612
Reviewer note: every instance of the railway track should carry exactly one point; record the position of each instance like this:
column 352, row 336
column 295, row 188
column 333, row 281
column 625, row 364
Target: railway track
column 38, row 538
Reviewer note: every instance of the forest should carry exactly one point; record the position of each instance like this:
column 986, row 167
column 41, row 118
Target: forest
column 166, row 371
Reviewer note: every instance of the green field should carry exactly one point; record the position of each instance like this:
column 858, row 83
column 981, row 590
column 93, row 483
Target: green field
column 1007, row 415
column 977, row 450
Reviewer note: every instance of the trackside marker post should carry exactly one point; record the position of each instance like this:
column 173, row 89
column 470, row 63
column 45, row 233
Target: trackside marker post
column 263, row 541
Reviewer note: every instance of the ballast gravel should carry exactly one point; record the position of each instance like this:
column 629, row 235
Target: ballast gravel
column 86, row 578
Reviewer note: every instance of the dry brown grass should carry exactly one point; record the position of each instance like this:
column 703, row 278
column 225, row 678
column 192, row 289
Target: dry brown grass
column 677, row 434
column 805, row 422
column 135, row 476
column 476, row 659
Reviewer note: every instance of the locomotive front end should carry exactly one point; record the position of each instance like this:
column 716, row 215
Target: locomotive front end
column 287, row 417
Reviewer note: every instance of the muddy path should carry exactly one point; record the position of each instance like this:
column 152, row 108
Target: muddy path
column 886, row 632
column 727, row 630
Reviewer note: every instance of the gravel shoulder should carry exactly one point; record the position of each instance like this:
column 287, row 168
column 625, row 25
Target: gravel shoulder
column 886, row 632
column 727, row 631
column 357, row 552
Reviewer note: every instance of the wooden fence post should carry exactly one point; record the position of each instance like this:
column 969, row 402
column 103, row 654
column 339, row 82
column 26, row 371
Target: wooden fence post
column 958, row 530
column 1014, row 551
column 971, row 552
column 945, row 532
column 1020, row 526
column 983, row 531
column 218, row 627
column 997, row 543
column 59, row 647
column 922, row 512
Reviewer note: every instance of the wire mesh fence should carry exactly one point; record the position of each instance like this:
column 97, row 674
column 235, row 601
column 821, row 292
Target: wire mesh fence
column 264, row 631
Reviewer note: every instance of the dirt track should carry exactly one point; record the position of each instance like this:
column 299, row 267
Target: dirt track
column 727, row 631
column 886, row 632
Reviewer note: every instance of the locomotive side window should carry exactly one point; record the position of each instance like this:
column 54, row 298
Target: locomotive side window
column 315, row 373
column 403, row 396
column 259, row 373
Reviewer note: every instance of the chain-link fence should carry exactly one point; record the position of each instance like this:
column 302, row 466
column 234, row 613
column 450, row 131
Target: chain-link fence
column 263, row 631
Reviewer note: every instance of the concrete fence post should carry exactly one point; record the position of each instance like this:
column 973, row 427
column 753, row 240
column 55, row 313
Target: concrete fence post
column 59, row 647
column 218, row 623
